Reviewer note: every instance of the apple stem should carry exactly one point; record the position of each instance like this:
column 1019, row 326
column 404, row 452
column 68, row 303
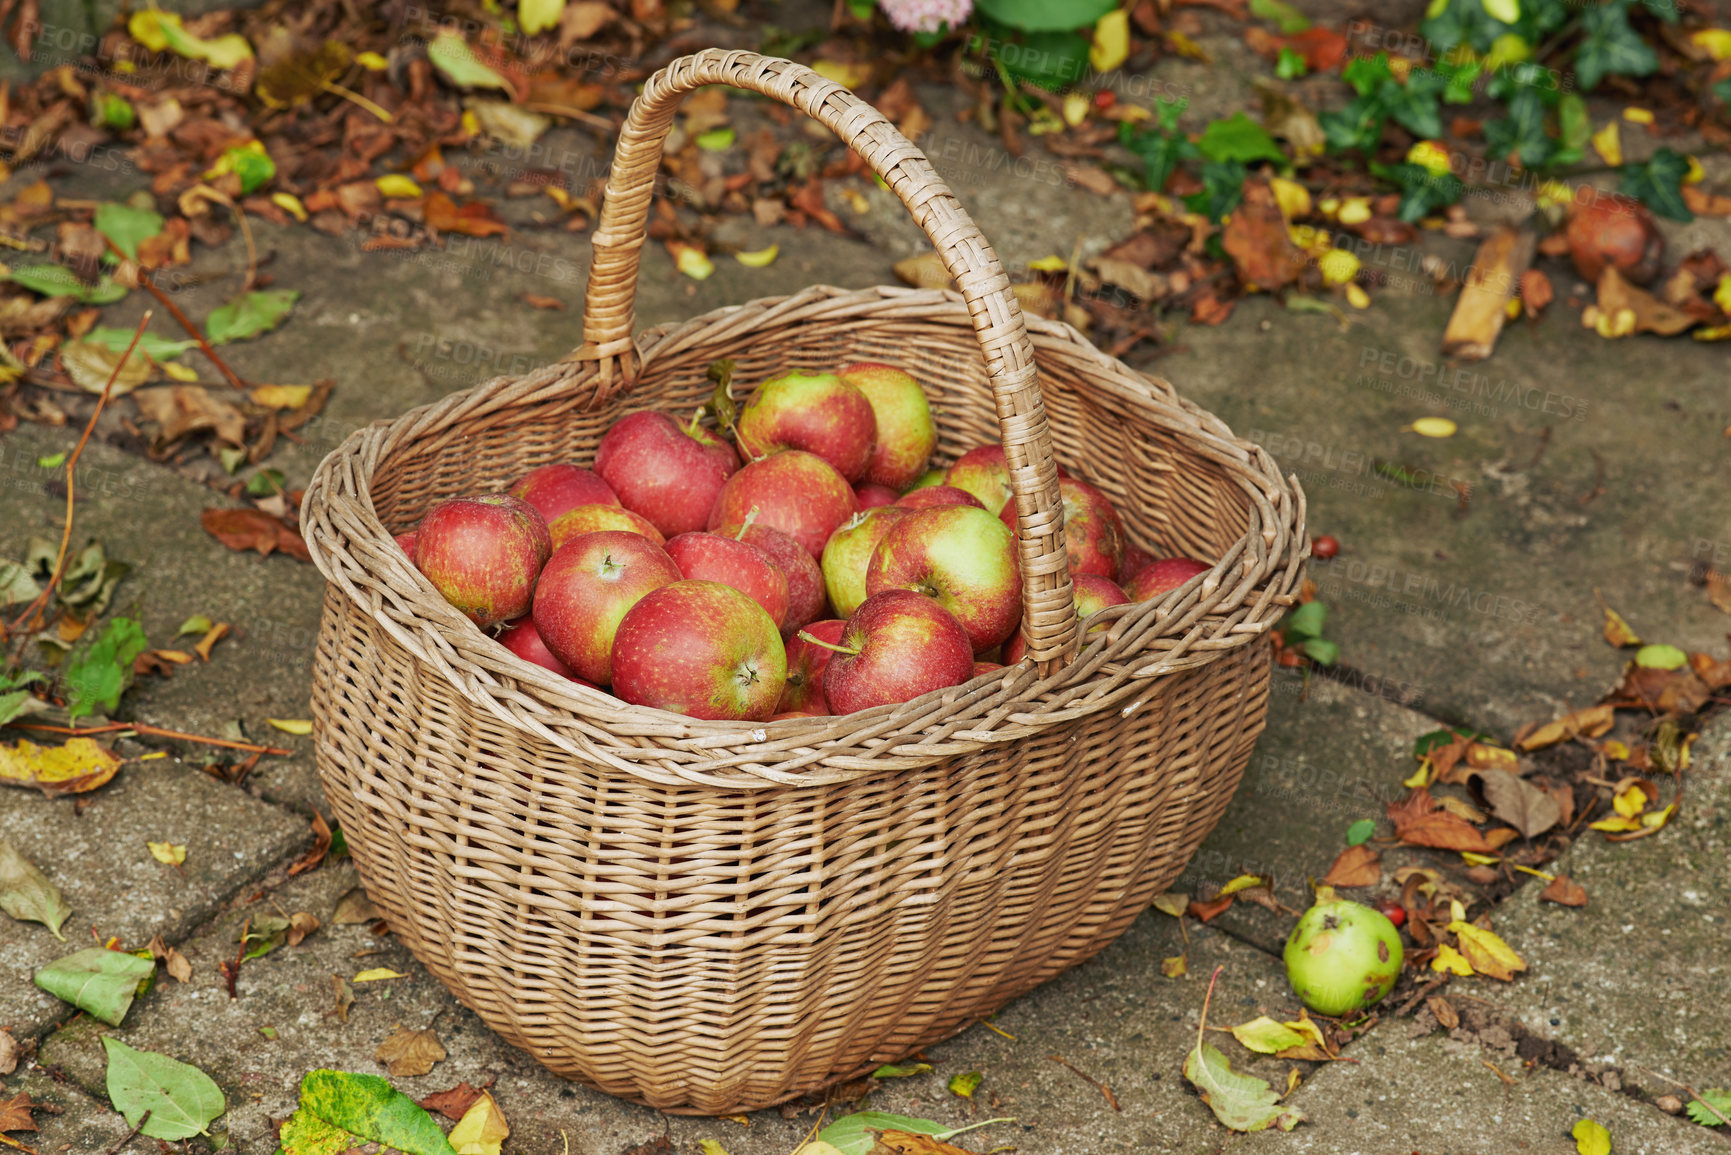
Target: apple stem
column 749, row 518
column 806, row 637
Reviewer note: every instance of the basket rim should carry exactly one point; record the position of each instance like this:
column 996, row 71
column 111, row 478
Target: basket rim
column 1235, row 602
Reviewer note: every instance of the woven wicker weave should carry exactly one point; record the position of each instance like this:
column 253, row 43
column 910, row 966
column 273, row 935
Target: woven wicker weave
column 709, row 917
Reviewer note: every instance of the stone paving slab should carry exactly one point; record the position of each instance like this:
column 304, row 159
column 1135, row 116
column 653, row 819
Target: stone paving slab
column 1637, row 977
column 1116, row 1018
column 1331, row 755
column 1489, row 615
column 76, row 1123
column 1436, row 1096
column 99, row 860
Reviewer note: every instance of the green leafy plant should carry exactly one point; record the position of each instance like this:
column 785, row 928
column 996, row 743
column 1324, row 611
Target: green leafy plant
column 1658, row 183
column 181, row 1099
column 1712, row 1099
column 101, row 674
column 1161, row 147
column 1303, row 629
column 15, row 699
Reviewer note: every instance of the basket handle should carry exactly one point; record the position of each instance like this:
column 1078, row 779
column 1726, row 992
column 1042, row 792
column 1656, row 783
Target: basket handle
column 1049, row 624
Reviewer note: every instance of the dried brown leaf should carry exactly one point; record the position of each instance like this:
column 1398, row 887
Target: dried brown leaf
column 410, row 1053
column 316, row 852
column 177, row 966
column 354, row 907
column 15, row 1113
column 1418, row 822
column 1592, row 722
column 1444, row 1012
column 8, row 1052
column 454, row 1103
column 301, row 924
column 1356, row 866
column 1518, row 802
column 1258, row 241
column 1565, row 891
column 244, row 529
column 344, row 995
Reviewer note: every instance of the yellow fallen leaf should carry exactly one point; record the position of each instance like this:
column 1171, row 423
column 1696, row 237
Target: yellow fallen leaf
column 290, row 204
column 397, row 186
column 1616, row 825
column 758, row 258
column 1184, row 46
column 1716, row 42
column 1292, row 197
column 1630, row 801
column 1338, row 266
column 1243, row 882
column 843, row 72
column 1354, row 210
column 1266, row 1037
column 1420, row 777
column 1473, row 859
column 1658, row 818
column 372, row 61
column 1590, row 1138
column 1052, row 264
column 1486, row 953
column 1292, row 1080
column 818, row 1147
column 377, row 973
column 302, row 726
column 1448, row 960
column 471, row 123
column 1075, row 109
column 1111, row 45
column 178, row 372
column 1615, row 750
column 1172, row 903
column 1359, row 299
column 690, row 260
column 1635, row 115
column 1431, row 156
column 75, row 768
column 1617, row 631
column 1174, row 967
column 1305, row 1025
column 704, row 1147
column 1609, row 144
column 281, row 396
column 481, row 1129
column 1512, row 310
column 1434, row 427
column 167, row 853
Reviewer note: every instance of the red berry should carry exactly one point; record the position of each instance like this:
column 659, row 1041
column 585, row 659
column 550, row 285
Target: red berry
column 1395, row 912
column 1105, row 98
column 1324, row 547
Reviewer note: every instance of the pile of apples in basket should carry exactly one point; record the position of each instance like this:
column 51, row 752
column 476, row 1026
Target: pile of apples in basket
column 828, row 573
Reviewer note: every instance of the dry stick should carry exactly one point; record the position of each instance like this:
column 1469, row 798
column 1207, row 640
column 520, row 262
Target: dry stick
column 1693, row 1093
column 1097, row 1084
column 71, row 464
column 192, row 330
column 133, row 1134
column 154, row 732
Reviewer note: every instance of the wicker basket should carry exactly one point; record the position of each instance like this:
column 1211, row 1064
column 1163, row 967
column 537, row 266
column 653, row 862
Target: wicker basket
column 711, row 917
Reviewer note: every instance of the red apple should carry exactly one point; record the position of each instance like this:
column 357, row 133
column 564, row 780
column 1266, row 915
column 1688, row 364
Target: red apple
column 869, row 496
column 483, row 554
column 712, row 557
column 406, row 543
column 984, row 473
column 930, row 495
column 986, row 667
column 1093, row 594
column 1093, row 535
column 897, row 646
column 1163, row 574
column 553, row 489
column 848, row 553
column 803, row 693
column 522, row 639
column 796, row 492
column 963, row 558
column 589, row 584
column 906, row 435
column 805, row 596
column 598, row 519
column 669, row 473
column 701, row 649
column 815, row 412
column 1136, row 559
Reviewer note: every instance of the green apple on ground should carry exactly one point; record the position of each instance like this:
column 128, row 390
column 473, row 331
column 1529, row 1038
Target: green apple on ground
column 483, row 555
column 815, row 412
column 589, row 584
column 700, row 649
column 1342, row 957
column 906, row 434
column 962, row 557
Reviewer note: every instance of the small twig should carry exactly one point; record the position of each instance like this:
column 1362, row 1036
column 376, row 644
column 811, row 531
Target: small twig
column 1544, row 440
column 192, row 330
column 1598, row 480
column 354, row 97
column 133, row 1134
column 1693, row 1093
column 589, row 118
column 1111, row 1099
column 72, row 464
column 154, row 732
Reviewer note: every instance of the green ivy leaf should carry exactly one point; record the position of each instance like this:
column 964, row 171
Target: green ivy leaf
column 369, row 1107
column 1366, row 73
column 102, row 983
column 1046, row 15
column 156, row 348
column 457, row 63
column 1357, row 126
column 126, row 226
column 60, row 281
column 1045, row 59
column 1658, row 183
column 1222, row 189
column 1574, row 125
column 1238, row 138
column 247, row 316
column 182, row 1100
column 114, row 112
column 1723, row 91
column 1413, row 105
column 26, row 893
column 1609, row 46
column 1289, row 19
column 1290, row 66
column 1521, row 133
column 101, row 673
column 1422, row 192
column 1359, row 832
column 1321, row 651
column 1159, row 151
column 1461, row 22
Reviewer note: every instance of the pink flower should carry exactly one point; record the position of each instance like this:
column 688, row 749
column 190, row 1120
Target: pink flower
column 926, row 15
